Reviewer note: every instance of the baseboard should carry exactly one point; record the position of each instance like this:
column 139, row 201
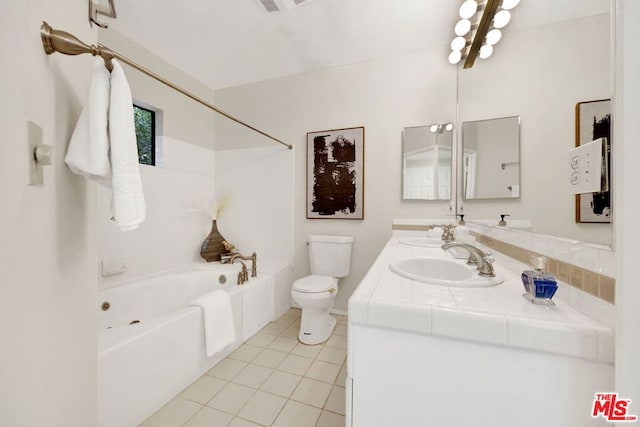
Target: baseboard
column 332, row 311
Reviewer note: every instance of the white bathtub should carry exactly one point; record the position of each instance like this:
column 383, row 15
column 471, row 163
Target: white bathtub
column 141, row 366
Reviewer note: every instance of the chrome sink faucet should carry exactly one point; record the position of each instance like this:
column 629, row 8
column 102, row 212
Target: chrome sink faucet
column 447, row 233
column 485, row 268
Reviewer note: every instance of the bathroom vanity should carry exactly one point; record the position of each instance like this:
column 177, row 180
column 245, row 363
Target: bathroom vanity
column 429, row 355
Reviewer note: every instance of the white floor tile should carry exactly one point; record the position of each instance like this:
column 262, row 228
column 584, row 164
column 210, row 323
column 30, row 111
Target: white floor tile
column 295, row 414
column 342, row 377
column 295, row 364
column 294, row 312
column 281, row 383
column 231, row 398
column 332, row 355
column 261, row 339
column 323, row 371
column 337, row 341
column 239, row 422
column 203, row 389
column 262, row 408
column 273, row 329
column 329, row 419
column 283, row 344
column 340, row 330
column 207, row 417
column 310, row 351
column 291, row 332
column 173, row 414
column 227, row 369
column 245, row 353
column 269, row 358
column 336, row 402
column 286, row 320
column 312, row 392
column 253, row 376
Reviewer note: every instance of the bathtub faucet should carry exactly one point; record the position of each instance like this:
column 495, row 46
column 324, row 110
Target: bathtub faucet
column 243, row 276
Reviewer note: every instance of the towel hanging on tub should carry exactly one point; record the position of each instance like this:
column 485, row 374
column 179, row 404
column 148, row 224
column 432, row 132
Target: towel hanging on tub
column 219, row 328
column 103, row 146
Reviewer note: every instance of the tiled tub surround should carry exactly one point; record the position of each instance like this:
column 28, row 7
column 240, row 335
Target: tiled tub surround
column 586, row 272
column 143, row 365
column 271, row 380
column 482, row 342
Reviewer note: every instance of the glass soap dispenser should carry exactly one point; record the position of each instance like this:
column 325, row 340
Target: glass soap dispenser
column 540, row 285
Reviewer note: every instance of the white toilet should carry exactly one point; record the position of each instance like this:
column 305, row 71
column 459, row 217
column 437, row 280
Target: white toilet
column 330, row 259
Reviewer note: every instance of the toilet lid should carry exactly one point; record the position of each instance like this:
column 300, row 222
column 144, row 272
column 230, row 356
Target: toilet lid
column 313, row 284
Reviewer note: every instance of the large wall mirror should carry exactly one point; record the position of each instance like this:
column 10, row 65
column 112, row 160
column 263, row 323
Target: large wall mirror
column 552, row 56
column 491, row 159
column 426, row 162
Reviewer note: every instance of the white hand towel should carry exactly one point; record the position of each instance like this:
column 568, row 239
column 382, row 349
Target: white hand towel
column 128, row 199
column 219, row 329
column 88, row 152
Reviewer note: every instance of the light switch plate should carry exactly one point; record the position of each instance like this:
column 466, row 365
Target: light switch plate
column 586, row 167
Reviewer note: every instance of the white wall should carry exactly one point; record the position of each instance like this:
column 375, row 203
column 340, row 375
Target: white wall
column 177, row 188
column 384, row 96
column 175, row 227
column 48, row 245
column 626, row 202
column 258, row 184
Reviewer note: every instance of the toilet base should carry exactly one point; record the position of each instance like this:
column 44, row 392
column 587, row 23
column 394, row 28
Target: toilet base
column 316, row 326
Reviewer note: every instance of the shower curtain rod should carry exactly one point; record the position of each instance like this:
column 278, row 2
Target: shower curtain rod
column 68, row 44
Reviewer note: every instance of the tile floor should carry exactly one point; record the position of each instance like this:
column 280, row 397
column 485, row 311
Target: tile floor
column 271, row 380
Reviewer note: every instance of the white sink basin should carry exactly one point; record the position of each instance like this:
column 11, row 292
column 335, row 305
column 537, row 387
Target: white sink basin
column 444, row 272
column 425, row 242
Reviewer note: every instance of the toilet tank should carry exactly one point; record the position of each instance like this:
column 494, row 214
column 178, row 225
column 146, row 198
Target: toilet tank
column 330, row 255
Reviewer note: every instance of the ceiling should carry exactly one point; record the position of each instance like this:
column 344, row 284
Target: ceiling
column 231, row 42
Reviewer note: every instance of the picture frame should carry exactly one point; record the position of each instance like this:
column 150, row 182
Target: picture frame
column 335, row 174
column 593, row 121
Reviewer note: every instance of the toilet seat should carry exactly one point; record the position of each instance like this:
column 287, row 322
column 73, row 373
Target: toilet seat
column 315, row 284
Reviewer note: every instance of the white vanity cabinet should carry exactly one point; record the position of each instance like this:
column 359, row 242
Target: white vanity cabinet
column 422, row 355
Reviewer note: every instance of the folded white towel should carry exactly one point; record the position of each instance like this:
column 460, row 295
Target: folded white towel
column 88, row 152
column 128, row 199
column 219, row 329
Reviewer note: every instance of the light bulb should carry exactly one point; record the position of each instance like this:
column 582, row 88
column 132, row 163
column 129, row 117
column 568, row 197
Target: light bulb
column 458, row 43
column 486, row 51
column 463, row 26
column 434, row 128
column 455, row 57
column 509, row 4
column 449, row 127
column 468, row 9
column 493, row 37
column 501, row 19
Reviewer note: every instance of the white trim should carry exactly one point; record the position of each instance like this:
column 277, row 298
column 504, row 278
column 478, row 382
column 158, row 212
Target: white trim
column 626, row 201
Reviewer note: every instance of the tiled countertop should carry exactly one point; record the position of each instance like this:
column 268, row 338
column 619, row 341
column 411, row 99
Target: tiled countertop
column 494, row 315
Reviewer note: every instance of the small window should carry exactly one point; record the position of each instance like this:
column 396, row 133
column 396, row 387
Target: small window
column 145, row 121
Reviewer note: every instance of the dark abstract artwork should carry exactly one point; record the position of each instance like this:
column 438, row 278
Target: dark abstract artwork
column 593, row 121
column 335, row 174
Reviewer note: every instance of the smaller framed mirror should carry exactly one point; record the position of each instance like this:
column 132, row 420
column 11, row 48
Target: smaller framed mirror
column 426, row 162
column 491, row 160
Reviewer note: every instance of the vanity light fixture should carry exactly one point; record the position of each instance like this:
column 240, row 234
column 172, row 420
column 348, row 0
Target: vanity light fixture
column 478, row 30
column 440, row 128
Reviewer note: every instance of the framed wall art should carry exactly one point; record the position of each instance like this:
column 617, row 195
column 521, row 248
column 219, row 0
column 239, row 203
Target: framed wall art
column 335, row 174
column 593, row 121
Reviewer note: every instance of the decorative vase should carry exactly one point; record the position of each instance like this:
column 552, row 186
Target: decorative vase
column 212, row 247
